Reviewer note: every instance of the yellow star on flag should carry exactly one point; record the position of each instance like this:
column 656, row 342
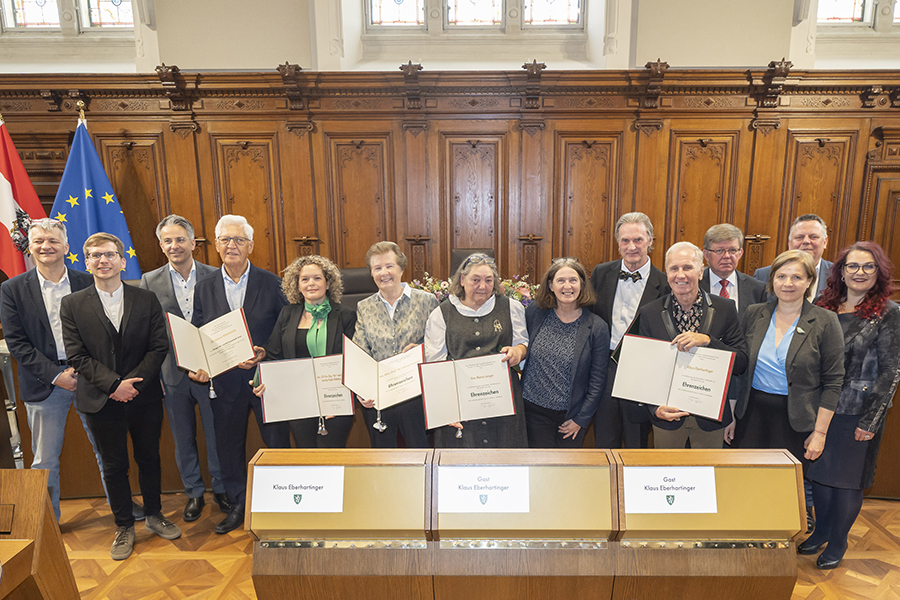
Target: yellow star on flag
column 73, row 200
column 60, row 217
column 108, row 197
column 130, row 252
column 87, row 193
column 73, row 257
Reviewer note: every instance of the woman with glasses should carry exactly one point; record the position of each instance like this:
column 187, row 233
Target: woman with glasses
column 568, row 351
column 859, row 289
column 312, row 325
column 477, row 320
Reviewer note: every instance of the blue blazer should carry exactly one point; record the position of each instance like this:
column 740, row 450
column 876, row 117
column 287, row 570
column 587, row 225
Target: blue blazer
column 26, row 329
column 591, row 358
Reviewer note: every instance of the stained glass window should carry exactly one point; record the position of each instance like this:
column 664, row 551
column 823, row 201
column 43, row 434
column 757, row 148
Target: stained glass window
column 32, row 13
column 109, row 13
column 468, row 13
column 552, row 12
column 842, row 11
column 397, row 12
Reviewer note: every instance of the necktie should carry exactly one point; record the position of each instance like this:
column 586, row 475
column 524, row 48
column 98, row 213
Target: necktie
column 623, row 275
column 724, row 292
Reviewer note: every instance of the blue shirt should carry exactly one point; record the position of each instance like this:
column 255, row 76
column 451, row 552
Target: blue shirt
column 770, row 375
column 235, row 292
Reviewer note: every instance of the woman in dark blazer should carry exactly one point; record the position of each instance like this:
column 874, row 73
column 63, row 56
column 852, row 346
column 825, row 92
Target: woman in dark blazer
column 796, row 367
column 313, row 324
column 568, row 351
column 859, row 290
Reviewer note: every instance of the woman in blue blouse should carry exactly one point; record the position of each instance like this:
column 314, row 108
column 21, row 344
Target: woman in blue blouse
column 568, row 350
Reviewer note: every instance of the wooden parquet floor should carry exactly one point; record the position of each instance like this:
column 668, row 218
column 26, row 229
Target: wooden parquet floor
column 203, row 565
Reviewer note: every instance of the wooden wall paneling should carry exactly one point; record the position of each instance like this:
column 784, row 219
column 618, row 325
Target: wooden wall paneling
column 44, row 154
column 302, row 233
column 416, row 204
column 648, row 186
column 531, row 206
column 183, row 182
column 763, row 214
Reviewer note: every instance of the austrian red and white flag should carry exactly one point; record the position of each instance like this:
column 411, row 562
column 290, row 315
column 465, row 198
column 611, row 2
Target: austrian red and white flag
column 17, row 196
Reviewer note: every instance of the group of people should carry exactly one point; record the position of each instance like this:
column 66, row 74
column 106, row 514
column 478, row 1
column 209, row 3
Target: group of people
column 816, row 356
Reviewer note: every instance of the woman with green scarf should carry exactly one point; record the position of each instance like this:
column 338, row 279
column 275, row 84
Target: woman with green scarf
column 313, row 324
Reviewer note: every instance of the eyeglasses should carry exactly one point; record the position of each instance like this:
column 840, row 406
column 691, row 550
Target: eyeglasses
column 482, row 259
column 725, row 251
column 98, row 255
column 238, row 240
column 867, row 268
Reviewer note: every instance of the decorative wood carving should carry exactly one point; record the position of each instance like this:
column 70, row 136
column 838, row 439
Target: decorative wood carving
column 530, row 127
column 533, row 83
column 52, row 99
column 173, row 83
column 411, row 79
column 773, row 82
column 300, row 128
column 184, row 127
column 895, row 98
column 529, row 261
column 765, row 123
column 15, row 106
column 754, row 257
column 703, row 190
column 647, row 126
column 121, row 105
column 708, row 102
column 307, row 245
column 590, row 102
column 290, row 77
column 418, row 255
column 870, row 96
column 415, row 127
column 654, row 84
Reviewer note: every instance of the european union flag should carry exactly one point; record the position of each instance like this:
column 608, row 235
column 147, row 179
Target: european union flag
column 87, row 205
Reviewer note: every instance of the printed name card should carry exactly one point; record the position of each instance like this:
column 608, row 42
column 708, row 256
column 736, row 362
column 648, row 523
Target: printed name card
column 298, row 489
column 483, row 490
column 670, row 490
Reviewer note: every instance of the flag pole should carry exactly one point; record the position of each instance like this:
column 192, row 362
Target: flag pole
column 80, row 106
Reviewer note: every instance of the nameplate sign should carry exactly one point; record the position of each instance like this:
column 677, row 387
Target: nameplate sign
column 298, row 489
column 483, row 490
column 670, row 490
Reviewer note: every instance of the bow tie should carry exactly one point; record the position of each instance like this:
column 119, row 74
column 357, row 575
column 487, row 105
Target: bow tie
column 623, row 275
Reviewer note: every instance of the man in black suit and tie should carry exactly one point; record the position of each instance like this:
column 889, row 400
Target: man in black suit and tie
column 623, row 286
column 810, row 234
column 174, row 284
column 691, row 318
column 723, row 247
column 239, row 284
column 116, row 341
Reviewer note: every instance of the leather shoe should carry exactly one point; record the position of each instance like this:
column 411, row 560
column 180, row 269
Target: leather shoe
column 222, row 500
column 234, row 520
column 825, row 563
column 193, row 508
column 810, row 520
column 807, row 548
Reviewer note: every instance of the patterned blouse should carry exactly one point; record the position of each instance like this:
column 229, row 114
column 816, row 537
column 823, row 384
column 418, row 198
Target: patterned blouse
column 382, row 337
column 551, row 358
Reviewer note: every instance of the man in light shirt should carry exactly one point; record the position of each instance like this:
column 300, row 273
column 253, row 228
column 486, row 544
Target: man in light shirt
column 810, row 234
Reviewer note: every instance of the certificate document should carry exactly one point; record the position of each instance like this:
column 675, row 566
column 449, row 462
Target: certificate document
column 304, row 387
column 462, row 390
column 216, row 347
column 388, row 382
column 655, row 372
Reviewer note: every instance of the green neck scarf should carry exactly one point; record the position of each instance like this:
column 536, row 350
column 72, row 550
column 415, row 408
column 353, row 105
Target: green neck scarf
column 318, row 331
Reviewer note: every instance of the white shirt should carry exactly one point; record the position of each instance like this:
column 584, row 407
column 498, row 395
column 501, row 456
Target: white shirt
column 113, row 304
column 184, row 289
column 715, row 286
column 407, row 291
column 628, row 298
column 53, row 294
column 235, row 292
column 436, row 327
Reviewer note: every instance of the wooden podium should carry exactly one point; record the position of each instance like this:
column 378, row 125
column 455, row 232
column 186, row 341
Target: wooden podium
column 374, row 549
column 743, row 551
column 559, row 549
column 34, row 560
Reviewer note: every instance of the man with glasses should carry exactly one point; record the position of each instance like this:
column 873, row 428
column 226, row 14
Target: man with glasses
column 810, row 234
column 174, row 284
column 116, row 341
column 258, row 292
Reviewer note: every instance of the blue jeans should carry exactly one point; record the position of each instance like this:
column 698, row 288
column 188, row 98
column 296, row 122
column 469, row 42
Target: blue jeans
column 47, row 422
column 179, row 402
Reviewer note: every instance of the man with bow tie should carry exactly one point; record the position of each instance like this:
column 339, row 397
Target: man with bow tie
column 622, row 287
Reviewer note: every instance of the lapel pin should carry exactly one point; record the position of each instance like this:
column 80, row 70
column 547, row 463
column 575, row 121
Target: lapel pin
column 800, row 330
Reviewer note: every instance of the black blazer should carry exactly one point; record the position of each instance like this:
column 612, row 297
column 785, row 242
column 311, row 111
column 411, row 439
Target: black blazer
column 26, row 329
column 750, row 290
column 591, row 358
column 102, row 357
column 605, row 279
column 282, row 344
column 719, row 321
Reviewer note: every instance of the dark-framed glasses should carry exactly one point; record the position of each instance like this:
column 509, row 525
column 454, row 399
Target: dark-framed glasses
column 867, row 268
column 725, row 251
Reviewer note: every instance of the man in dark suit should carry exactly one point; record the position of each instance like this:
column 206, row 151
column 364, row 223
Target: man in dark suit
column 174, row 284
column 29, row 310
column 810, row 234
column 691, row 318
column 623, row 286
column 115, row 338
column 723, row 247
column 239, row 285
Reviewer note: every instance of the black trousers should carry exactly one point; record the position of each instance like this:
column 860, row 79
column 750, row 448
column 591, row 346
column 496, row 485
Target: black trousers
column 306, row 432
column 619, row 423
column 543, row 428
column 406, row 419
column 111, row 426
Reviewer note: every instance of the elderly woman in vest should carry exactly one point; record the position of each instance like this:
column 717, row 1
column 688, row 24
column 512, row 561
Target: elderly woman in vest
column 478, row 320
column 388, row 323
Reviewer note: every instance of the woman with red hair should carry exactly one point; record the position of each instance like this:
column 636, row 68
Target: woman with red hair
column 859, row 291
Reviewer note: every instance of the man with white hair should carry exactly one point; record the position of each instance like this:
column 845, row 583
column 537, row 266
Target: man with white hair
column 239, row 285
column 691, row 318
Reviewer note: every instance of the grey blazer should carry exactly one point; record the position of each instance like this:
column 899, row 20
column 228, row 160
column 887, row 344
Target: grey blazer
column 159, row 281
column 814, row 363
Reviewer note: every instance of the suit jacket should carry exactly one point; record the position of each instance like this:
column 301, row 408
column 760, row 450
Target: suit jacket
column 814, row 364
column 27, row 331
column 719, row 321
column 591, row 357
column 159, row 281
column 282, row 344
column 605, row 279
column 762, row 274
column 102, row 357
column 750, row 290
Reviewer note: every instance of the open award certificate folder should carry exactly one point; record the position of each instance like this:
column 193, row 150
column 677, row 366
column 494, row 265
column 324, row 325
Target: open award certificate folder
column 387, row 382
column 462, row 390
column 655, row 372
column 301, row 388
column 216, row 347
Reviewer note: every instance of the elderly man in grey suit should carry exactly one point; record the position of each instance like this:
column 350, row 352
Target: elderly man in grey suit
column 810, row 234
column 173, row 284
